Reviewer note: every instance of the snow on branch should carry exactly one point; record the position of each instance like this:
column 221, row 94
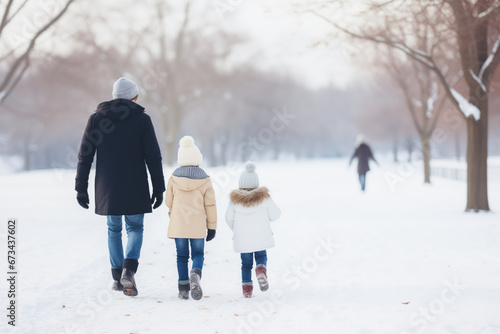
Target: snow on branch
column 490, row 58
column 416, row 54
column 433, row 97
column 467, row 108
column 2, row 95
column 478, row 80
column 416, row 102
column 487, row 12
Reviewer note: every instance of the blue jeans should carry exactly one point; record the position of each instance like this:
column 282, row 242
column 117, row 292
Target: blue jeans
column 134, row 225
column 362, row 180
column 247, row 264
column 197, row 255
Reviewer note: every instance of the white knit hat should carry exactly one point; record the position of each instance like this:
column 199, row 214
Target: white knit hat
column 124, row 88
column 189, row 154
column 249, row 179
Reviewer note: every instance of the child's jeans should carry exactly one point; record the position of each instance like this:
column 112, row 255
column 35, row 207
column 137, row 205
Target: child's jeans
column 247, row 264
column 197, row 255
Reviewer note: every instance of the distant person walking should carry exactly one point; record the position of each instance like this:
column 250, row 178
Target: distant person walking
column 364, row 153
column 123, row 136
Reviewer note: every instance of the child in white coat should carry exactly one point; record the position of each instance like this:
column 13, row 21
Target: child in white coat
column 249, row 214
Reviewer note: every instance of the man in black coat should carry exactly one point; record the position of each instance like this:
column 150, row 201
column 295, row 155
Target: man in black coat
column 364, row 154
column 123, row 137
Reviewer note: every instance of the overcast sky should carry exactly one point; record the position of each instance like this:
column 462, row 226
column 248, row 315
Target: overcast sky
column 300, row 45
column 281, row 40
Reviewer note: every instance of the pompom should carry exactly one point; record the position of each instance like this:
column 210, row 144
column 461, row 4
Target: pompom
column 250, row 166
column 186, row 141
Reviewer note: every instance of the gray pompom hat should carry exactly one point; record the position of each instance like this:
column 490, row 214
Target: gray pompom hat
column 249, row 179
column 124, row 88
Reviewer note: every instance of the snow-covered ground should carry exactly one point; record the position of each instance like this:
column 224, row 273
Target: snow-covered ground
column 400, row 258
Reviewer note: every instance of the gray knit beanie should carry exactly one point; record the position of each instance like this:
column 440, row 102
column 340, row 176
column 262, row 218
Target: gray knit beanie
column 124, row 88
column 249, row 179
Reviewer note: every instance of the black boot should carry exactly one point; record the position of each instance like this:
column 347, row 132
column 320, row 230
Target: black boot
column 183, row 291
column 127, row 279
column 117, row 274
column 194, row 281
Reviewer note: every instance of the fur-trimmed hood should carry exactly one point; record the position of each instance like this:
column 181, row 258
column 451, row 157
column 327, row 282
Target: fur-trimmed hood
column 249, row 198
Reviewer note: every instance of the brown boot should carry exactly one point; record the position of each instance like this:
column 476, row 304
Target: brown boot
column 247, row 290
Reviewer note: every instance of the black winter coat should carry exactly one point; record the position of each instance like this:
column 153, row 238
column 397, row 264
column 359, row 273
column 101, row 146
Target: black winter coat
column 364, row 154
column 125, row 141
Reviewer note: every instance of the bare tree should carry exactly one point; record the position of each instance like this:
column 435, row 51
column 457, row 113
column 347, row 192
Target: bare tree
column 471, row 23
column 19, row 62
column 169, row 89
column 424, row 102
column 188, row 61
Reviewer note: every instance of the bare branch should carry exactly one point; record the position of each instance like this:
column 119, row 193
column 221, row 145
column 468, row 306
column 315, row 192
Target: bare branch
column 179, row 43
column 398, row 75
column 13, row 75
column 5, row 93
column 5, row 16
column 458, row 100
column 437, row 113
column 7, row 55
column 418, row 55
column 17, row 11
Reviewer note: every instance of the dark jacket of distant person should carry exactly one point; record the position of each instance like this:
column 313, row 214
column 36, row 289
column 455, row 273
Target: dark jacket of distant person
column 125, row 141
column 364, row 154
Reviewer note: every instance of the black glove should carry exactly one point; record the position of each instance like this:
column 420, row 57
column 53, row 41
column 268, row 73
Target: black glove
column 210, row 234
column 158, row 198
column 83, row 199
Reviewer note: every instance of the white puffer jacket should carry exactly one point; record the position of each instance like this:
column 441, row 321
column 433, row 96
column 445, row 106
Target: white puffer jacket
column 249, row 215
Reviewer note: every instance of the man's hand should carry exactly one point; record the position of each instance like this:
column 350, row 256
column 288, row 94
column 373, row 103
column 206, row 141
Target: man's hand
column 83, row 199
column 157, row 199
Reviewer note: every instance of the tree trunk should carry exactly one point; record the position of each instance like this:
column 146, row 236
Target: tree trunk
column 409, row 146
column 166, row 140
column 458, row 153
column 170, row 126
column 171, row 147
column 477, row 130
column 477, row 156
column 27, row 154
column 426, row 153
column 395, row 150
column 211, row 150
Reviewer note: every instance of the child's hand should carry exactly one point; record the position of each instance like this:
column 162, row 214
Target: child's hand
column 210, row 234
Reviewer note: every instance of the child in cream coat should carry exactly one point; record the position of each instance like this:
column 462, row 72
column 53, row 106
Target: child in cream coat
column 249, row 215
column 190, row 198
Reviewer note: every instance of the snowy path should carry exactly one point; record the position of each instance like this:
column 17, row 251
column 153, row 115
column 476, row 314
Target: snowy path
column 344, row 263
